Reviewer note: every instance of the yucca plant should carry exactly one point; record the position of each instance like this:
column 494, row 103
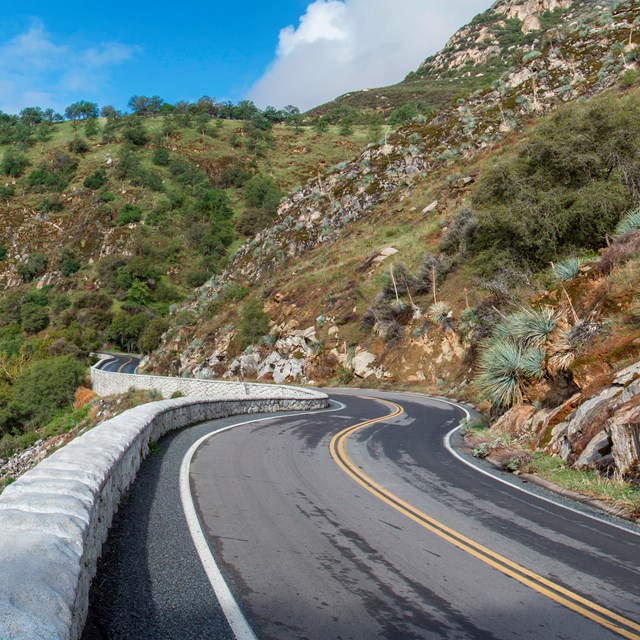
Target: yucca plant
column 532, row 327
column 506, row 369
column 630, row 222
column 567, row 269
column 562, row 351
column 439, row 312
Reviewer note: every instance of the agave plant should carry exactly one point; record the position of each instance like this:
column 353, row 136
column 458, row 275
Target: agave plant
column 439, row 312
column 532, row 327
column 506, row 369
column 567, row 269
column 630, row 222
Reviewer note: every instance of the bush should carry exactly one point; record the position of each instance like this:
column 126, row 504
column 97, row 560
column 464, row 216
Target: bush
column 33, row 318
column 47, row 386
column 34, row 266
column 628, row 78
column 152, row 335
column 622, row 249
column 160, row 157
column 78, row 145
column 13, row 164
column 70, row 266
column 235, row 292
column 253, row 323
column 129, row 214
column 6, row 192
column 96, row 180
column 566, row 188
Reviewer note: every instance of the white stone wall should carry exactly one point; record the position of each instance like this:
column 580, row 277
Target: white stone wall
column 106, row 383
column 55, row 518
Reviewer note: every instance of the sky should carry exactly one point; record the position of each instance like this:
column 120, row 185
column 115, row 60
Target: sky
column 274, row 53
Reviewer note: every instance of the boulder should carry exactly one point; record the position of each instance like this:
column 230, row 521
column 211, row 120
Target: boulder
column 431, row 207
column 361, row 364
column 515, row 420
column 624, row 430
column 598, row 447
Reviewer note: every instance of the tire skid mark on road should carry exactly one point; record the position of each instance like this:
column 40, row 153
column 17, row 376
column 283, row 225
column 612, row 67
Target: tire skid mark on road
column 575, row 602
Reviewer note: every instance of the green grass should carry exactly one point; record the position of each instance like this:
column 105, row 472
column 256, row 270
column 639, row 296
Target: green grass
column 623, row 494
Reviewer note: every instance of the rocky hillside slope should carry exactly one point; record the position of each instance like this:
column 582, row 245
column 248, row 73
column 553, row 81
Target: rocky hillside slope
column 476, row 56
column 359, row 278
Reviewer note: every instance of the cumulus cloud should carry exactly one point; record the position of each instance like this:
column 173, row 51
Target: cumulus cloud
column 344, row 45
column 37, row 70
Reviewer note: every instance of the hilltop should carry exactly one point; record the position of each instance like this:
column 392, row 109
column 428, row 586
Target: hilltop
column 474, row 58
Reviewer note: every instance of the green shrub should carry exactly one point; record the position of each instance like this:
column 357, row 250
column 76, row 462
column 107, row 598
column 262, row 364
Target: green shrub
column 47, row 386
column 78, row 145
column 253, row 323
column 152, row 335
column 13, row 163
column 96, row 180
column 6, row 192
column 129, row 214
column 628, row 78
column 3, row 253
column 235, row 292
column 34, row 266
column 566, row 188
column 70, row 266
column 33, row 318
column 160, row 157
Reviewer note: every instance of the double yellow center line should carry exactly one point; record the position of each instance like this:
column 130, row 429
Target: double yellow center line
column 608, row 619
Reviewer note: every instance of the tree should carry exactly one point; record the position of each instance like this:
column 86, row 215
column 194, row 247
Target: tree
column 81, row 110
column 145, row 106
column 110, row 112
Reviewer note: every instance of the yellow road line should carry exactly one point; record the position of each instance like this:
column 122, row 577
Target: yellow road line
column 124, row 364
column 542, row 585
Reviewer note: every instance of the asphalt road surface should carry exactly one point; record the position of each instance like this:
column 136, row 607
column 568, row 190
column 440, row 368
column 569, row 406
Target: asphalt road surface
column 121, row 363
column 324, row 529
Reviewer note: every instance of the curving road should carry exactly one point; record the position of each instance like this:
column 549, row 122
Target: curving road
column 359, row 524
column 120, row 363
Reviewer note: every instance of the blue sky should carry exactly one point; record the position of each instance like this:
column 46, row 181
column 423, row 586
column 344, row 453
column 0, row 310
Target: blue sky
column 285, row 52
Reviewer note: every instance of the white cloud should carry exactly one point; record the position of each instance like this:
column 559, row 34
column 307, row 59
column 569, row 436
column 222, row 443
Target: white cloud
column 35, row 69
column 344, row 45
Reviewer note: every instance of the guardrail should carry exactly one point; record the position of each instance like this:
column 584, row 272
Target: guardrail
column 54, row 519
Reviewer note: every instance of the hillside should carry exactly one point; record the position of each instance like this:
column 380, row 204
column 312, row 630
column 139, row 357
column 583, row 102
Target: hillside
column 407, row 264
column 474, row 58
column 107, row 224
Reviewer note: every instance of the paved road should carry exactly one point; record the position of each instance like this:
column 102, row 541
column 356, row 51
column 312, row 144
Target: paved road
column 389, row 537
column 121, row 363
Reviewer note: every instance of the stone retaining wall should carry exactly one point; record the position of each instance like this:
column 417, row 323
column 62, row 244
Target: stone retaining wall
column 106, row 383
column 55, row 518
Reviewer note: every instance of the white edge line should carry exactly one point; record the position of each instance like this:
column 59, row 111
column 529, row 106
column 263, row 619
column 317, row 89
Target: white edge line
column 230, row 607
column 455, row 454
